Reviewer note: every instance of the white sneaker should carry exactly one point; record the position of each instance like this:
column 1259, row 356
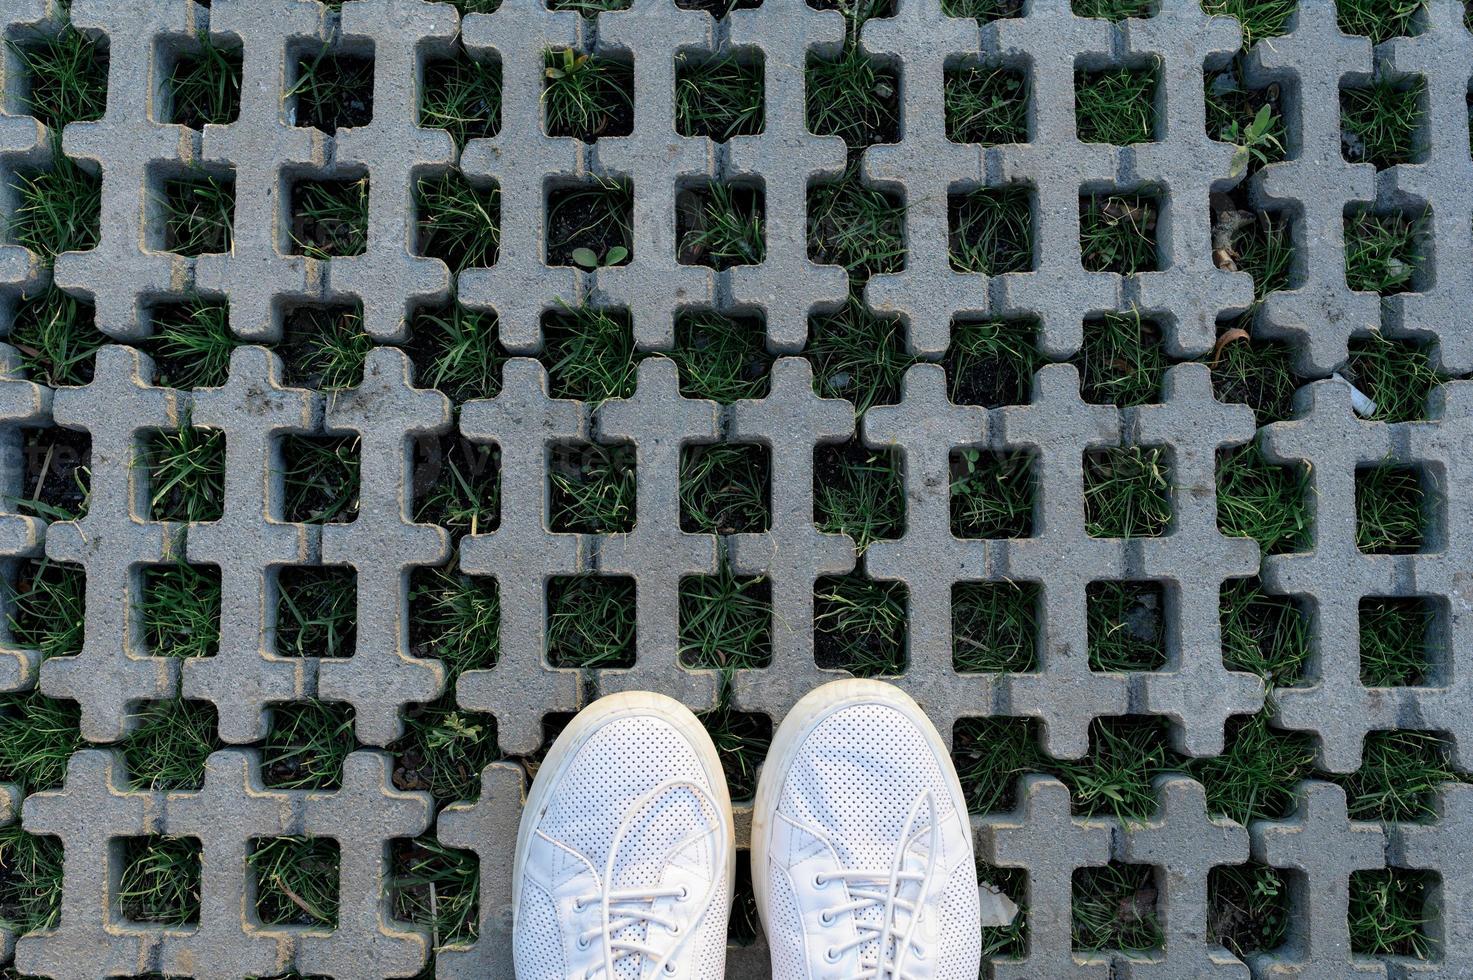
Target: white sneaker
column 624, row 863
column 861, row 848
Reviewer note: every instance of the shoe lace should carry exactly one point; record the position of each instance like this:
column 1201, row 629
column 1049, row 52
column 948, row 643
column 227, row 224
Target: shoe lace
column 621, row 908
column 867, row 888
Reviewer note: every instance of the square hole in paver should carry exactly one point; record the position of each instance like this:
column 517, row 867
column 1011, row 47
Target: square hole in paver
column 1126, row 625
column 1247, row 117
column 992, row 230
column 1116, row 105
column 1397, row 374
column 1127, row 492
column 186, row 474
column 324, row 347
column 457, row 484
column 203, row 83
column 455, row 618
column 854, row 96
column 444, row 747
column 306, row 743
column 198, row 214
column 1391, row 510
column 991, row 362
column 331, row 90
column 191, row 344
column 1115, row 10
column 462, row 95
column 1257, row 373
column 1400, row 773
column 726, row 488
column 742, row 739
column 329, row 217
column 856, row 225
column 181, row 610
column 320, row 479
column 587, row 96
column 57, row 209
column 1382, row 123
column 1122, row 360
column 160, row 880
column 991, row 755
column 63, row 79
column 991, row 494
column 720, row 96
column 58, row 473
column 1268, row 502
column 316, row 611
column 859, row 625
column 986, row 104
column 1263, row 634
column 170, row 746
column 1248, row 908
column 593, row 487
column 720, row 225
column 296, row 880
column 458, row 220
column 1009, row 942
column 1391, row 913
column 982, row 10
column 46, row 606
column 1115, row 908
column 590, row 621
column 725, row 621
column 458, row 351
column 1401, row 641
column 721, row 357
column 858, row 491
column 1384, row 253
column 589, row 352
column 857, row 355
column 437, row 888
column 994, row 627
column 1118, row 232
column 591, row 224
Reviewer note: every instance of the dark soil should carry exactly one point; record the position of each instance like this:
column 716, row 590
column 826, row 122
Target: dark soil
column 691, row 211
column 718, row 8
column 989, row 382
column 579, row 219
column 300, row 327
column 342, row 97
column 56, row 469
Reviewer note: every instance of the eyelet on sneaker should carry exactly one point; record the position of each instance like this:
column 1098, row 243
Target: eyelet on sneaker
column 826, row 917
column 583, row 943
column 684, row 894
column 831, row 954
column 819, row 881
column 670, row 969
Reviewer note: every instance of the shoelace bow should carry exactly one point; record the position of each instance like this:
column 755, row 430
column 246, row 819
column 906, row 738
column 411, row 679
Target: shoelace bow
column 621, row 908
column 869, row 888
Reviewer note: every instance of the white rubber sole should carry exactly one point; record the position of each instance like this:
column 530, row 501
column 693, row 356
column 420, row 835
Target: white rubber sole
column 565, row 748
column 806, row 715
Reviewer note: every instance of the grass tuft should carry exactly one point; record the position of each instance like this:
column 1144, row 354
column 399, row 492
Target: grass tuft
column 742, row 739
column 56, row 337
column 1126, row 626
column 306, row 745
column 1263, row 501
column 591, row 224
column 181, row 610
column 1379, row 123
column 186, row 469
column 321, row 479
column 1390, row 914
column 1118, row 233
column 1380, row 20
column 991, row 755
column 198, row 215
column 330, row 218
column 1127, row 492
column 204, row 85
column 444, row 748
column 1259, row 18
column 992, row 494
column 859, row 625
column 458, row 351
column 1125, row 755
column 859, row 492
column 1263, row 634
column 1255, row 776
column 1114, row 9
column 332, row 91
column 464, row 486
column 718, row 97
column 991, row 362
column 459, row 223
column 590, row 621
column 437, row 887
column 47, row 607
column 986, row 105
column 1122, row 361
column 853, row 96
column 725, row 488
column 1114, row 907
column 192, row 344
column 57, row 210
column 1116, row 106
column 721, row 226
column 169, row 748
column 66, row 78
column 720, row 357
column 37, row 738
column 857, row 355
column 296, row 880
column 586, row 96
column 1257, row 373
column 1397, row 375
column 992, row 230
column 456, row 619
column 160, row 881
column 593, row 488
column 1247, row 908
column 30, row 880
column 463, row 96
column 856, row 226
column 325, row 347
column 1382, row 252
column 1399, row 774
column 725, row 621
column 1399, row 641
column 1389, row 504
column 994, row 627
column 316, row 611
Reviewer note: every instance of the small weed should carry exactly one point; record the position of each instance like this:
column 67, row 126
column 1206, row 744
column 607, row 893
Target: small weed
column 437, row 886
column 590, row 621
column 718, row 97
column 1397, row 375
column 591, row 225
column 859, row 625
column 47, row 607
column 296, row 880
column 720, row 357
column 986, row 105
column 1247, row 908
column 1380, row 20
column 181, row 610
column 593, row 488
column 1125, row 755
column 316, row 611
column 1259, row 373
column 856, row 226
column 1381, row 252
column 1389, row 504
column 443, row 749
column 456, row 619
column 1263, row 501
column 857, row 355
column 1252, row 120
column 859, row 492
column 330, row 218
column 1399, row 774
column 321, row 479
column 1255, row 776
column 160, row 881
column 66, row 78
column 585, row 96
column 1114, row 907
column 458, row 351
column 1118, row 233
column 325, row 347
column 721, row 226
column 37, row 738
column 1263, row 634
column 463, row 96
column 725, row 488
column 30, row 880
column 57, row 210
column 991, row 362
column 459, row 223
column 332, row 91
column 171, row 745
column 1127, row 626
column 1389, row 914
column 1122, row 360
column 853, row 96
column 994, row 627
column 56, row 337
column 725, row 621
column 192, row 344
column 742, row 740
column 991, row 494
column 1127, row 492
column 992, row 230
column 1397, row 641
column 204, row 85
column 1379, row 124
column 459, row 486
column 306, row 745
column 1117, row 106
column 186, row 469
